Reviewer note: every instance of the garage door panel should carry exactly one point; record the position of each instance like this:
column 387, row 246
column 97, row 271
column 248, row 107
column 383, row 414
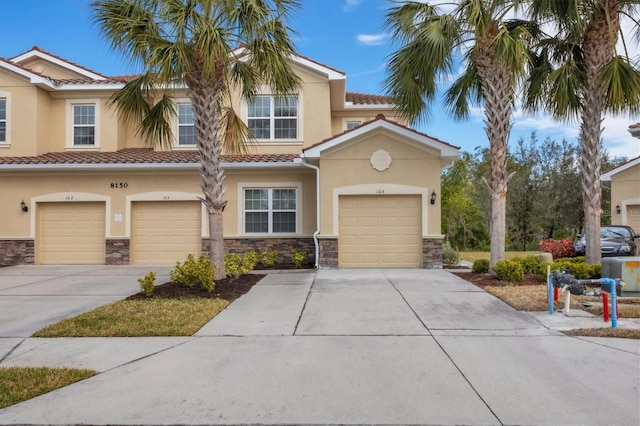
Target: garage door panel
column 165, row 231
column 380, row 231
column 71, row 233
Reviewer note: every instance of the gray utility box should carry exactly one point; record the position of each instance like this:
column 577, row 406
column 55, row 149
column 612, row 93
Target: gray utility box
column 625, row 268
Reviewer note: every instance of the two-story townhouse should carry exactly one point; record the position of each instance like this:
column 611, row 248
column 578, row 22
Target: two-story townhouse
column 332, row 173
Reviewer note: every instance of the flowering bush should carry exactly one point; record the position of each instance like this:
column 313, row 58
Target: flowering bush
column 557, row 248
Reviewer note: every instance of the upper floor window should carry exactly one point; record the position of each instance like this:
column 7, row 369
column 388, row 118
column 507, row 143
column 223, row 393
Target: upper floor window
column 83, row 129
column 270, row 210
column 3, row 120
column 353, row 124
column 84, row 125
column 186, row 128
column 273, row 117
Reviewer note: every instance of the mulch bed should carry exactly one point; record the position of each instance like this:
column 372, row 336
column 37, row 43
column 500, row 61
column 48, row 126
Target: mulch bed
column 228, row 289
column 485, row 279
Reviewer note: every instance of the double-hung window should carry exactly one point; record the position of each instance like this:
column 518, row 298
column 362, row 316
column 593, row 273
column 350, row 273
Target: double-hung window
column 273, row 117
column 270, row 210
column 84, row 125
column 186, row 127
column 3, row 120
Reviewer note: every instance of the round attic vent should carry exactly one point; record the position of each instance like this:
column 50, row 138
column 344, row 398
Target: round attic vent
column 380, row 160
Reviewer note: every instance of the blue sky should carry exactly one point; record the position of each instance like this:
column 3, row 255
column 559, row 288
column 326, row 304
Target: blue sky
column 345, row 34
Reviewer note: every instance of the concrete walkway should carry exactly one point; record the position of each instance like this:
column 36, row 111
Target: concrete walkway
column 346, row 347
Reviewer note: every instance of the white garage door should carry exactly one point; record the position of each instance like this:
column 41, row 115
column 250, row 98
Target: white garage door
column 71, row 233
column 165, row 231
column 380, row 231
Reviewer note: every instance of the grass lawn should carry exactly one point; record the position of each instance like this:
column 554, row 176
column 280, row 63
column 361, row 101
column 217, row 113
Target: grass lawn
column 470, row 256
column 21, row 383
column 137, row 318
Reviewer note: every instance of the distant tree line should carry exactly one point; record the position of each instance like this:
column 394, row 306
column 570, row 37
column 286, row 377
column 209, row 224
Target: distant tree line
column 544, row 198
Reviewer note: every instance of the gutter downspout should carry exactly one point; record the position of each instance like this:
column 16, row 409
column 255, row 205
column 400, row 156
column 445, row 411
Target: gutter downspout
column 317, row 231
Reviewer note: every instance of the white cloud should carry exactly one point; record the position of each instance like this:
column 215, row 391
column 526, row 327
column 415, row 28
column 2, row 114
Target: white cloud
column 372, row 39
column 349, row 4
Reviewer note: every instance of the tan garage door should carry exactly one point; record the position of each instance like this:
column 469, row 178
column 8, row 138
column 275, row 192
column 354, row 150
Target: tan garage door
column 380, row 231
column 71, row 233
column 633, row 217
column 165, row 231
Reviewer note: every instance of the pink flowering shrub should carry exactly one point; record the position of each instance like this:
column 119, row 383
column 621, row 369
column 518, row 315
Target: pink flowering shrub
column 557, row 248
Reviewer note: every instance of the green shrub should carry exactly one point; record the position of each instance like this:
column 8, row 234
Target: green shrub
column 575, row 266
column 450, row 256
column 268, row 258
column 194, row 272
column 249, row 261
column 530, row 264
column 148, row 283
column 480, row 266
column 233, row 265
column 298, row 258
column 509, row 271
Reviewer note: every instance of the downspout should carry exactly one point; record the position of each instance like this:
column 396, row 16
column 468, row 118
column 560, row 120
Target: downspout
column 317, row 231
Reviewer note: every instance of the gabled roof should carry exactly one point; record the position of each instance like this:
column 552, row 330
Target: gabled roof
column 447, row 151
column 37, row 52
column 367, row 99
column 606, row 177
column 136, row 158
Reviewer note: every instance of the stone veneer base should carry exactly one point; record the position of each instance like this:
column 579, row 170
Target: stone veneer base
column 17, row 252
column 118, row 251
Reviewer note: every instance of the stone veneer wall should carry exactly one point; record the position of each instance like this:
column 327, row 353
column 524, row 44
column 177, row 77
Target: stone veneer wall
column 17, row 252
column 118, row 252
column 432, row 253
column 328, row 252
column 284, row 246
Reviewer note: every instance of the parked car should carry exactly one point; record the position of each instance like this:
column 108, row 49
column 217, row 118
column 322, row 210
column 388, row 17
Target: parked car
column 615, row 240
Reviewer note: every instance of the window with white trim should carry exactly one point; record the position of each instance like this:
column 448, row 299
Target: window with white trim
column 353, row 124
column 186, row 127
column 273, row 117
column 84, row 125
column 270, row 210
column 3, row 120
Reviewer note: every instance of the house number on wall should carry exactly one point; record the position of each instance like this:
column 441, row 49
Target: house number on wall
column 119, row 185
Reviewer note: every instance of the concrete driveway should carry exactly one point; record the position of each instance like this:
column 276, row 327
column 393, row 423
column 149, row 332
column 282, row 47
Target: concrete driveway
column 32, row 297
column 346, row 347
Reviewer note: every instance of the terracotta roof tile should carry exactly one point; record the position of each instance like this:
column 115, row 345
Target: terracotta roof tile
column 367, row 99
column 378, row 117
column 139, row 156
column 635, row 126
column 60, row 58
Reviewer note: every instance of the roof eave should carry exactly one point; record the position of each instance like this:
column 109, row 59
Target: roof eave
column 80, row 167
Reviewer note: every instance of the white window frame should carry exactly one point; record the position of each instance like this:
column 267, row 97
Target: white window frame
column 7, row 120
column 352, row 124
column 272, row 118
column 178, row 126
column 355, row 121
column 297, row 186
column 71, row 104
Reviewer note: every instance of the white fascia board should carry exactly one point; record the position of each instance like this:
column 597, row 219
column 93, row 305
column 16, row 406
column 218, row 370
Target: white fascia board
column 79, row 87
column 606, row 177
column 33, row 78
column 445, row 150
column 64, row 64
column 143, row 166
column 351, row 105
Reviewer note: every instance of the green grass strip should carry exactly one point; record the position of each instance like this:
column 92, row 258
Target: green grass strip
column 18, row 384
column 137, row 318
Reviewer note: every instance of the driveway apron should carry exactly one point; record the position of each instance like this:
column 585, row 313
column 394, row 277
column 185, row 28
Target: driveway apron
column 360, row 347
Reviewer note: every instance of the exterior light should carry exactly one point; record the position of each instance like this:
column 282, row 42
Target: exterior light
column 23, row 206
column 433, row 197
column 618, row 210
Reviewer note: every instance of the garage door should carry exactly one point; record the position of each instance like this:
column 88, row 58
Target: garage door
column 165, row 231
column 71, row 233
column 633, row 217
column 380, row 231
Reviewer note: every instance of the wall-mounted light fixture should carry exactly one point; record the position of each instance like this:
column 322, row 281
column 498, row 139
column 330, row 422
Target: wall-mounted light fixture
column 433, row 197
column 618, row 210
column 23, row 206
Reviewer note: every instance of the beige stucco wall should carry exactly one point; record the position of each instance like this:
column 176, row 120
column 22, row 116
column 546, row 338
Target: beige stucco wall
column 414, row 170
column 140, row 185
column 41, row 66
column 339, row 119
column 22, row 115
column 625, row 192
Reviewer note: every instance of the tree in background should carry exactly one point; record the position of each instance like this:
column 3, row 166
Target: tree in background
column 579, row 74
column 214, row 47
column 495, row 58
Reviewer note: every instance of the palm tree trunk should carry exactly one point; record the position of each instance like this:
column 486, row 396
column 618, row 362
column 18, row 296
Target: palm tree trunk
column 599, row 46
column 204, row 94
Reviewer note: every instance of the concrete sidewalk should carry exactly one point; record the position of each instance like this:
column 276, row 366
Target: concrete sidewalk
column 346, row 347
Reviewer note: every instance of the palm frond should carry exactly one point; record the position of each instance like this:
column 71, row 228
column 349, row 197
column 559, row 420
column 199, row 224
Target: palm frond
column 622, row 86
column 237, row 139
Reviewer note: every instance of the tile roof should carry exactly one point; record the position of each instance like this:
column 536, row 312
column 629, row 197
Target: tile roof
column 635, row 126
column 59, row 58
column 379, row 117
column 367, row 99
column 139, row 156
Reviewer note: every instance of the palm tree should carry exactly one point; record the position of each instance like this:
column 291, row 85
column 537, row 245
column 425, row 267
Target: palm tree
column 212, row 47
column 495, row 56
column 579, row 74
